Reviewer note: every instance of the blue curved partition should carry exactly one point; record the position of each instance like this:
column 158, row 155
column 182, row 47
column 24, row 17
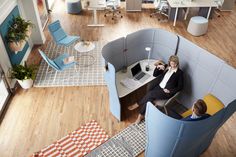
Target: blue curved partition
column 113, row 52
column 203, row 73
column 110, row 79
column 168, row 137
column 164, row 44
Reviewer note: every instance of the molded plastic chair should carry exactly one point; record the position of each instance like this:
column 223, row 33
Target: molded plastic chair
column 57, row 63
column 59, row 35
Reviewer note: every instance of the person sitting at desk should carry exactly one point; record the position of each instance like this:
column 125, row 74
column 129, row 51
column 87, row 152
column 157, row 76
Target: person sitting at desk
column 199, row 109
column 169, row 82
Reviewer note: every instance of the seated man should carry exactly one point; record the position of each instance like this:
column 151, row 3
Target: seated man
column 199, row 109
column 169, row 82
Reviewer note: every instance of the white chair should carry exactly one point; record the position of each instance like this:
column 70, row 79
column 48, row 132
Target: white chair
column 113, row 8
column 161, row 7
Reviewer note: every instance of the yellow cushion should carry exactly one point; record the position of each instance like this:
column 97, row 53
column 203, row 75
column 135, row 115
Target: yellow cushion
column 213, row 105
column 187, row 113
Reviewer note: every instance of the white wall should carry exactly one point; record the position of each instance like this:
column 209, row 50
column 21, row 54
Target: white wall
column 5, row 7
column 30, row 10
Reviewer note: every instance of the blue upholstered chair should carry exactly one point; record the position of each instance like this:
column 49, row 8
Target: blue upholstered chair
column 169, row 137
column 57, row 63
column 59, row 35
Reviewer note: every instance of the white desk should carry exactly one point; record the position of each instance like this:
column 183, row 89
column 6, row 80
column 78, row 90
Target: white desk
column 96, row 5
column 190, row 4
column 122, row 90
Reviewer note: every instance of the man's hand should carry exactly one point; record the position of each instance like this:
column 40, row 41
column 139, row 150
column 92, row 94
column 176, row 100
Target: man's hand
column 166, row 90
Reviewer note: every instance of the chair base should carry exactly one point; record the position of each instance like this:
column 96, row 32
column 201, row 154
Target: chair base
column 114, row 14
column 159, row 13
column 217, row 12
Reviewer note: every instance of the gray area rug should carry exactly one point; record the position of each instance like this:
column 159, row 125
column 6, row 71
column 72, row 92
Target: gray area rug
column 89, row 70
column 128, row 143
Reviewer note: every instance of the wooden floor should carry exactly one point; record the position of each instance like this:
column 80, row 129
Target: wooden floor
column 39, row 116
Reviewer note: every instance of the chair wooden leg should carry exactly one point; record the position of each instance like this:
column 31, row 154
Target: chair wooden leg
column 47, row 69
column 55, row 77
column 75, row 68
column 67, row 50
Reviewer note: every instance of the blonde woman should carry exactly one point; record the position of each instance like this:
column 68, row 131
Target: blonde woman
column 169, row 82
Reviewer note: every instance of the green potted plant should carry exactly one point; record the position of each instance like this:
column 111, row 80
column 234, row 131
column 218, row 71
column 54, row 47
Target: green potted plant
column 18, row 33
column 23, row 74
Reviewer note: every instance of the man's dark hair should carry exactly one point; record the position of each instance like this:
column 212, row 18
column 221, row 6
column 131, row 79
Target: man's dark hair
column 200, row 107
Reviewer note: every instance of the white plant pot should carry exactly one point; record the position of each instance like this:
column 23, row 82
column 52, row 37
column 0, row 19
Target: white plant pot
column 17, row 46
column 26, row 84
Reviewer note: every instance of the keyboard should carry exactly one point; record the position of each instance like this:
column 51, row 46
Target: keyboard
column 139, row 75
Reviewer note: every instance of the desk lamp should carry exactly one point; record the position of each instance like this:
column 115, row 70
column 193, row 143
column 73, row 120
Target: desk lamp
column 149, row 52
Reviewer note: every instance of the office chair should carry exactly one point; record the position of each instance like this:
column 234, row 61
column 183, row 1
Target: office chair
column 162, row 8
column 219, row 5
column 166, row 102
column 113, row 8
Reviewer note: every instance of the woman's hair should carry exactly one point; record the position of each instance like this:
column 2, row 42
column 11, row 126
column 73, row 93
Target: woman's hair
column 175, row 59
column 200, row 107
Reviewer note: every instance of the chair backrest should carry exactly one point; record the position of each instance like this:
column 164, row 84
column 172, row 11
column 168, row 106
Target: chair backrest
column 166, row 102
column 56, row 31
column 158, row 4
column 213, row 105
column 48, row 60
column 219, row 2
column 113, row 3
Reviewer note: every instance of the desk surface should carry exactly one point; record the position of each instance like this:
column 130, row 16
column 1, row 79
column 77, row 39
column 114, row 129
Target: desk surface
column 122, row 90
column 193, row 3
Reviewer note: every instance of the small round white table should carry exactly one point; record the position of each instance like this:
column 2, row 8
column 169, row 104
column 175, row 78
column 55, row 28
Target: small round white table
column 84, row 47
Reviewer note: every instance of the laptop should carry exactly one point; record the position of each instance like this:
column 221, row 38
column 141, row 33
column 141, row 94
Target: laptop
column 137, row 72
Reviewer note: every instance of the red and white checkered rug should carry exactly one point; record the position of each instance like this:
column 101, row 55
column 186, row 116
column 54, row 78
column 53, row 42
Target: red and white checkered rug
column 76, row 144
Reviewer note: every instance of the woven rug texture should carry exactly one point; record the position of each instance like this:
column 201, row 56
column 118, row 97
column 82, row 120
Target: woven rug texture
column 76, row 144
column 128, row 143
column 89, row 70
